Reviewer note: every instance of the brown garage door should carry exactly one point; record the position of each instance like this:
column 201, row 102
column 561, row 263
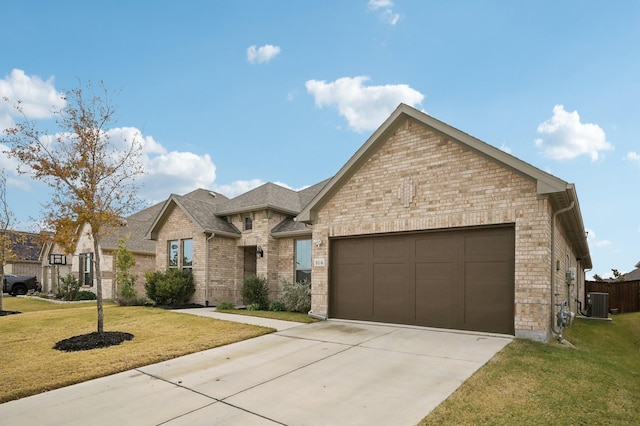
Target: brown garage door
column 449, row 279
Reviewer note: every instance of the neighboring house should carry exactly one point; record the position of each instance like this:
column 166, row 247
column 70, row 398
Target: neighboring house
column 425, row 225
column 56, row 263
column 25, row 248
column 633, row 275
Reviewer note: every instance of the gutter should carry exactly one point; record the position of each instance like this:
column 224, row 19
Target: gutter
column 553, row 267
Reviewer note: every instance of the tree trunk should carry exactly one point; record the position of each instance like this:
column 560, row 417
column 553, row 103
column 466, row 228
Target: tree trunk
column 98, row 273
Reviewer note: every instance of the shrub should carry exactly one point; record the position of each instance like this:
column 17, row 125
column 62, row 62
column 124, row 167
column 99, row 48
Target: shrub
column 171, row 288
column 67, row 287
column 151, row 279
column 253, row 307
column 296, row 297
column 277, row 306
column 255, row 290
column 85, row 295
column 129, row 295
column 225, row 306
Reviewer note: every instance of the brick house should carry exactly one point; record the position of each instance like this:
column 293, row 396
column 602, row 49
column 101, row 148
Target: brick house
column 55, row 263
column 424, row 225
column 23, row 254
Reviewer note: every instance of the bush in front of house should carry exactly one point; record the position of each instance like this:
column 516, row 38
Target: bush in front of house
column 67, row 287
column 171, row 288
column 85, row 295
column 225, row 306
column 296, row 297
column 277, row 306
column 255, row 290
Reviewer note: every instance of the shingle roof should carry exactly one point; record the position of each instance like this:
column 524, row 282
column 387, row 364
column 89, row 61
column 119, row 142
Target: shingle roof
column 289, row 226
column 204, row 214
column 633, row 275
column 133, row 231
column 201, row 206
column 267, row 196
column 25, row 246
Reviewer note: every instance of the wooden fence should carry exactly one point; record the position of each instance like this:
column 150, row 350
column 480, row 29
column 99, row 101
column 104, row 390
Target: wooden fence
column 625, row 295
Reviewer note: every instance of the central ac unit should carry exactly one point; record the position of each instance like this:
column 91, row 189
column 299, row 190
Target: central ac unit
column 598, row 305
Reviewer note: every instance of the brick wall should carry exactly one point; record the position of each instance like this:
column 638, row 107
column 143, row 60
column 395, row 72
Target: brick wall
column 418, row 180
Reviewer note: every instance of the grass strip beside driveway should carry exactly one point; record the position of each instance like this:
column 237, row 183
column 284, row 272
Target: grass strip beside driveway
column 529, row 383
column 30, row 365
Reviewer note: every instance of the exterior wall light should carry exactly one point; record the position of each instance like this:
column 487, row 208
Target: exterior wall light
column 259, row 252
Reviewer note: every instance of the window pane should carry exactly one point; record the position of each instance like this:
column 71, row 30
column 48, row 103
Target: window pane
column 303, row 276
column 187, row 253
column 303, row 261
column 303, row 254
column 173, row 254
column 248, row 224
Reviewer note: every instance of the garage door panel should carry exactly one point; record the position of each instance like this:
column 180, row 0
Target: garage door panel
column 392, row 300
column 450, row 279
column 436, row 247
column 391, row 248
column 354, row 291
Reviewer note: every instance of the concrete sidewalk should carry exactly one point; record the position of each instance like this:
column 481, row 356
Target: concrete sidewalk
column 325, row 373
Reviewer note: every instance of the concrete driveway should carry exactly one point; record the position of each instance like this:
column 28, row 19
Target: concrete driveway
column 326, row 373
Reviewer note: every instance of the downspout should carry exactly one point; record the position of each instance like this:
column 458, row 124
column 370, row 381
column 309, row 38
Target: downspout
column 553, row 267
column 206, row 270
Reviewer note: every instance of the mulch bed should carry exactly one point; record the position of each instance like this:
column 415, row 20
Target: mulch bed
column 95, row 340
column 3, row 313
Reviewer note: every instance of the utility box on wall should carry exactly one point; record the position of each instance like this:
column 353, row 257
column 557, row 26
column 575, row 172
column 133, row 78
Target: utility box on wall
column 598, row 305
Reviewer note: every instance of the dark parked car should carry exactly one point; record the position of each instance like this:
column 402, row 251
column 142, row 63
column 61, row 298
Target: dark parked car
column 20, row 284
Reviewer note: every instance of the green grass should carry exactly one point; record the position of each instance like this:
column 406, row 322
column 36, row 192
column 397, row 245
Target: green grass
column 285, row 316
column 30, row 365
column 595, row 382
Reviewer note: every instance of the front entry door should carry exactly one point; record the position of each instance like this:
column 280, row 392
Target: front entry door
column 250, row 262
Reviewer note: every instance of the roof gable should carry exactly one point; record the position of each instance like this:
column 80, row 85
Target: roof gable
column 561, row 194
column 268, row 196
column 201, row 213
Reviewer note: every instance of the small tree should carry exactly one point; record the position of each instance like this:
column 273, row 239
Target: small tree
column 92, row 176
column 125, row 281
column 68, row 287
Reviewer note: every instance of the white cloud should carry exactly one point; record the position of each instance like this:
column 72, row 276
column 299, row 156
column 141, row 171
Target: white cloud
column 632, row 156
column 387, row 14
column 593, row 241
column 364, row 107
column 238, row 187
column 567, row 138
column 38, row 97
column 258, row 55
column 175, row 173
column 378, row 4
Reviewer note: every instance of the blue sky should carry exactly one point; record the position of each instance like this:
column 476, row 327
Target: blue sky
column 231, row 94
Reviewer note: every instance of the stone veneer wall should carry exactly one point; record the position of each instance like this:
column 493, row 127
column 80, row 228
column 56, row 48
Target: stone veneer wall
column 418, row 180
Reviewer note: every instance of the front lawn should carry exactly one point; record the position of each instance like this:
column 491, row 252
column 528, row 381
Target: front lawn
column 30, row 365
column 528, row 383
